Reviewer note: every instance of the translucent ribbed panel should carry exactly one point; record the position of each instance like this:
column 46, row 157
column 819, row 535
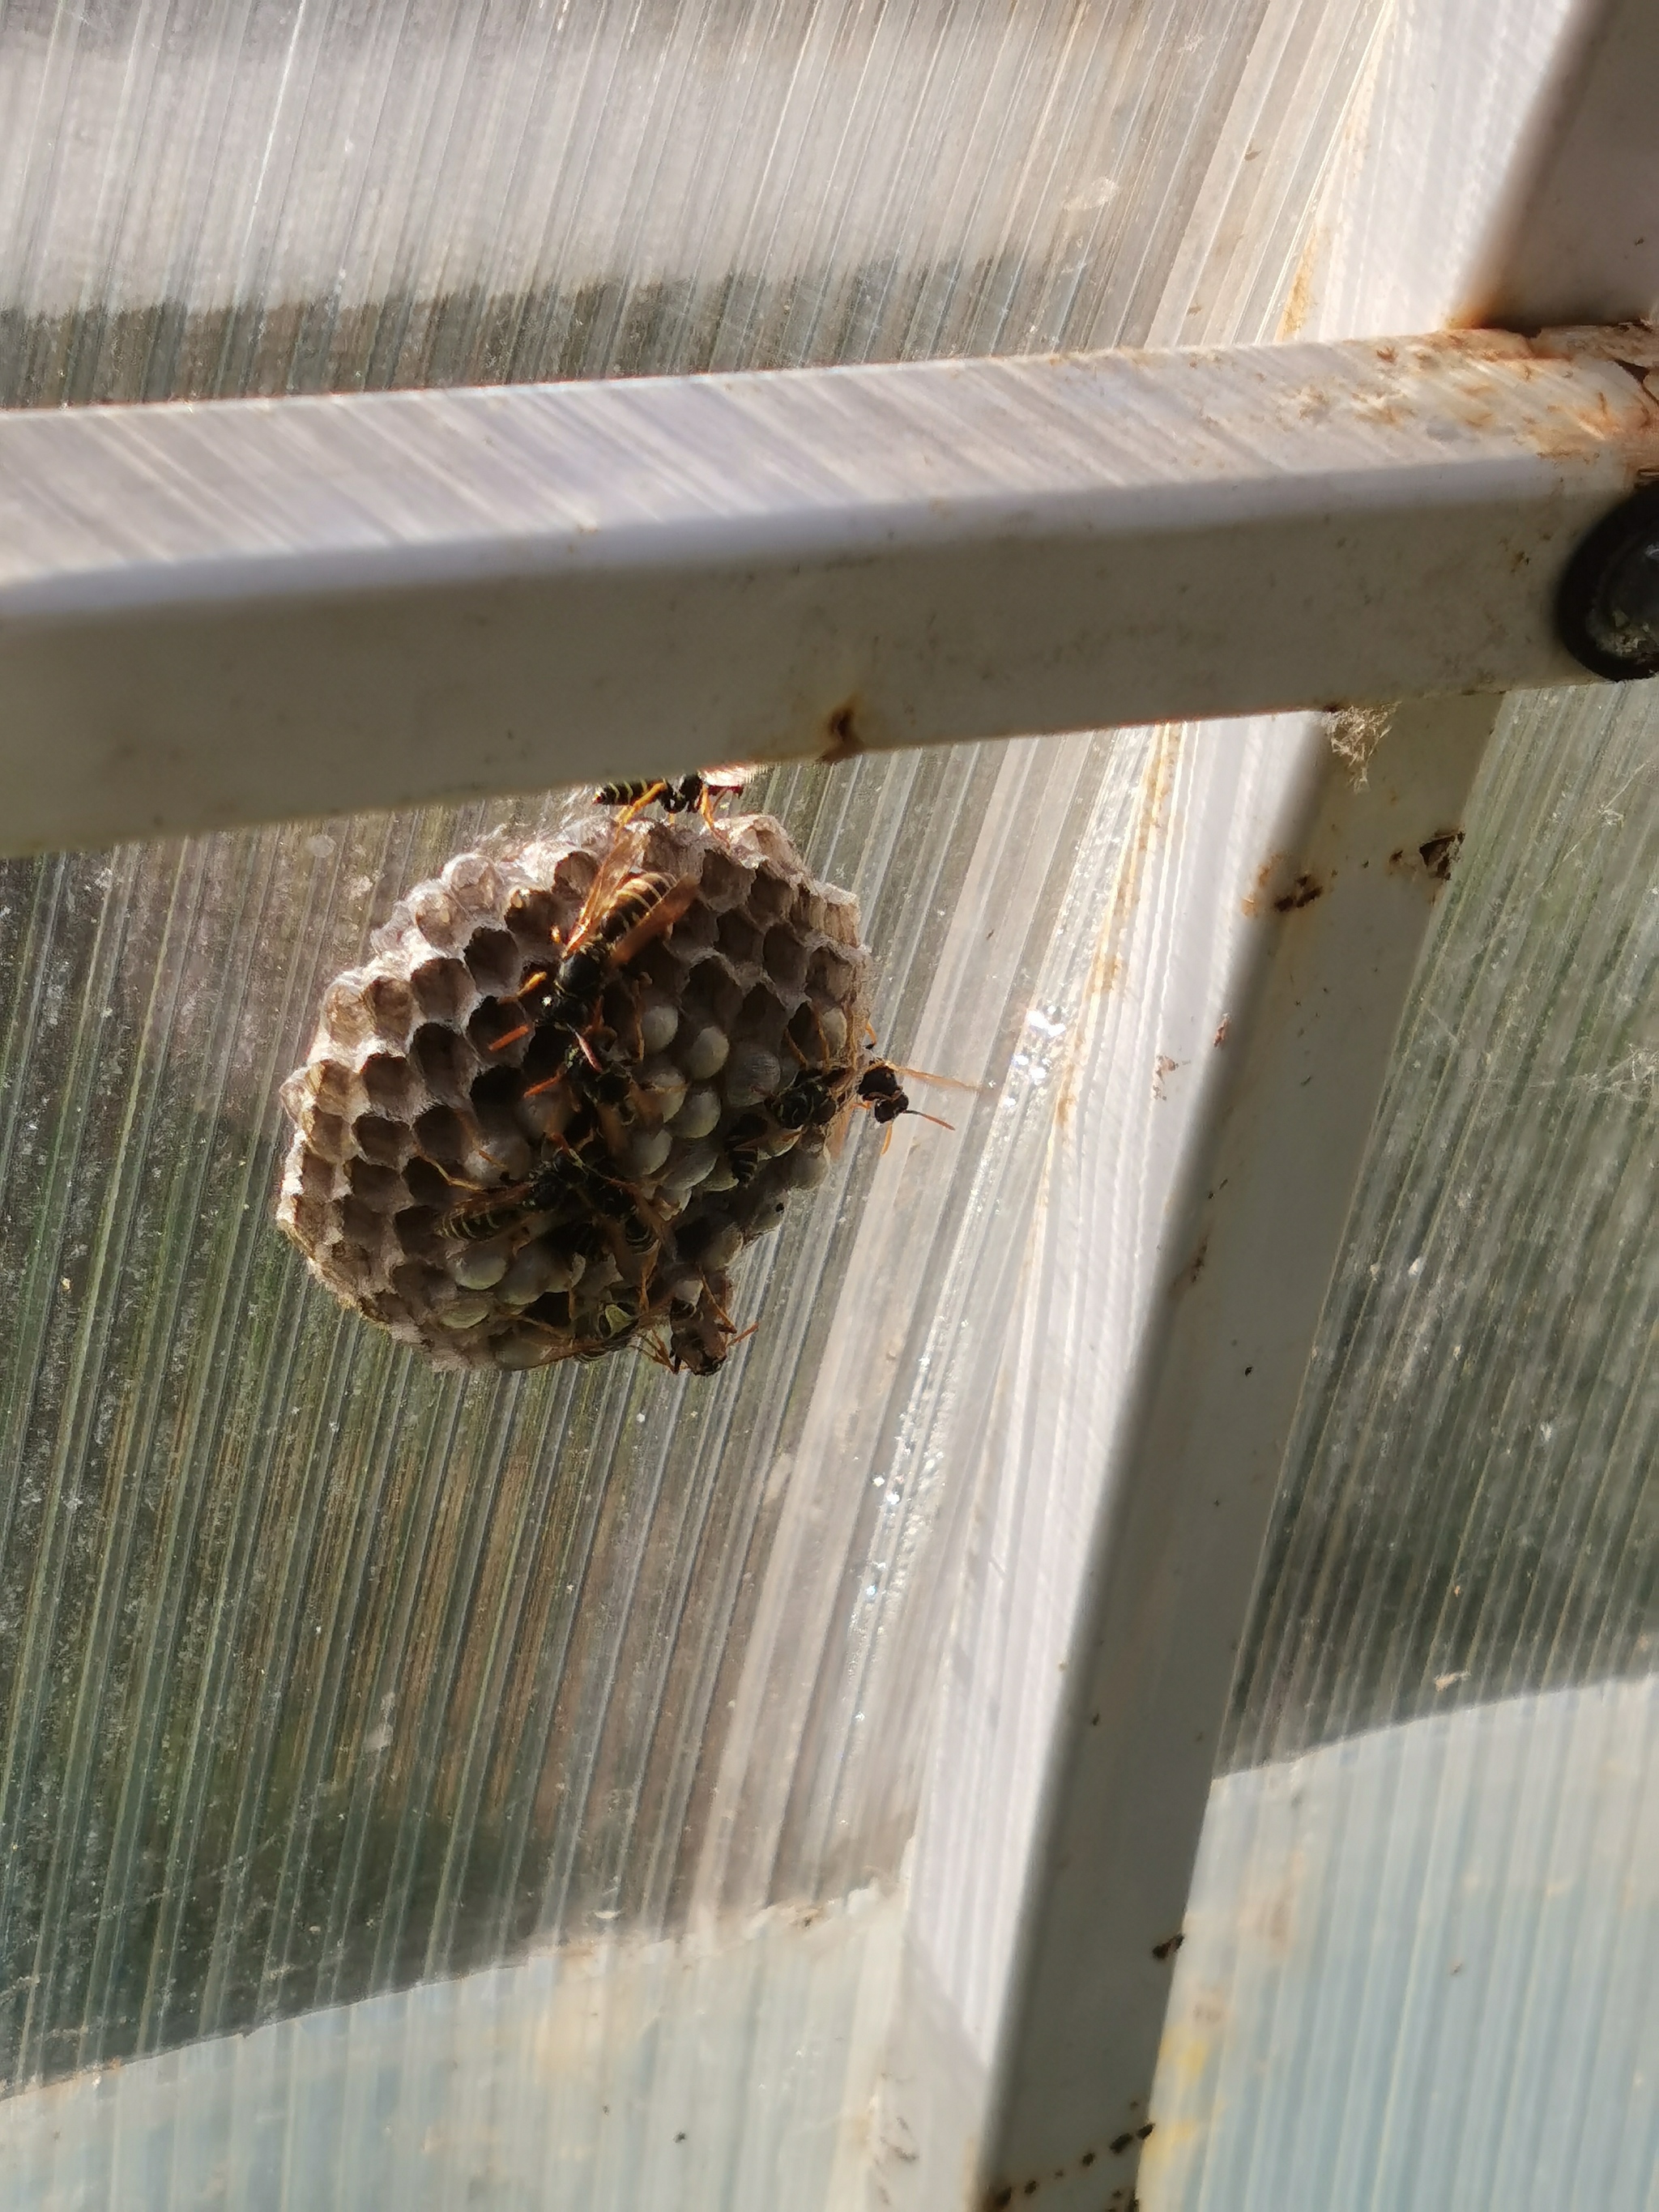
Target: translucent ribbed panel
column 1423, row 1949
column 1470, row 1505
column 325, row 1673
column 1422, row 1969
column 200, row 196
column 624, row 2072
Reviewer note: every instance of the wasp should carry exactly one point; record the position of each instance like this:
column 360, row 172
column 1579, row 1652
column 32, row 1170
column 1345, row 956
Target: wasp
column 507, row 1207
column 702, row 790
column 567, row 1178
column 879, row 1089
column 615, row 921
column 743, row 1142
column 568, row 998
column 676, row 796
column 701, row 1336
column 693, row 1350
column 812, row 1100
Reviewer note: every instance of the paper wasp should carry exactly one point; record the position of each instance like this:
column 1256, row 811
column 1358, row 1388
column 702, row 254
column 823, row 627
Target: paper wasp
column 507, row 1207
column 819, row 1095
column 879, row 1089
column 621, row 914
column 702, row 790
column 567, row 1179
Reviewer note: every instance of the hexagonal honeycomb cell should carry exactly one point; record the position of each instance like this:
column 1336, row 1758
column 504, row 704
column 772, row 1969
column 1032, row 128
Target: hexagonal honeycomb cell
column 577, row 1077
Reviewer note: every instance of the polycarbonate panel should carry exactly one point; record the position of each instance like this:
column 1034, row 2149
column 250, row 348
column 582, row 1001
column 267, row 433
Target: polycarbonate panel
column 325, row 1673
column 730, row 2070
column 1422, row 1954
column 1469, row 1507
column 203, row 197
column 1420, row 1969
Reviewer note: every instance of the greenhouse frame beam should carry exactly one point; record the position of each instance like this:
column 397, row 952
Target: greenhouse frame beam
column 1253, row 1223
column 223, row 613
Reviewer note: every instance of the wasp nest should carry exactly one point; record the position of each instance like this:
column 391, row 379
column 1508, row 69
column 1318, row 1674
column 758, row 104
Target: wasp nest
column 577, row 1077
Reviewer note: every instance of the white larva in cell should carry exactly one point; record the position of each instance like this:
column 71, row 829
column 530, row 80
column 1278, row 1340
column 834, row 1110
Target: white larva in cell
column 645, row 1152
column 751, row 1073
column 700, row 1115
column 659, row 1023
column 722, row 1250
column 689, row 1168
column 704, row 1053
column 664, row 1087
column 494, row 1159
column 466, row 1311
column 808, row 1166
column 543, row 1114
column 830, row 1026
column 479, row 1267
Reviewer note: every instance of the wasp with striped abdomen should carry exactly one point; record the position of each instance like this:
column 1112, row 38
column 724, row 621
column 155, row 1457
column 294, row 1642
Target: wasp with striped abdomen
column 702, row 790
column 617, row 920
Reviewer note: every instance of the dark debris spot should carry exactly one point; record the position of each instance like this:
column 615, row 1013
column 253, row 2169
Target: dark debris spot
column 1143, row 2132
column 1194, row 1267
column 1302, row 892
column 1171, row 1944
column 841, row 732
column 1438, row 853
column 1119, row 2145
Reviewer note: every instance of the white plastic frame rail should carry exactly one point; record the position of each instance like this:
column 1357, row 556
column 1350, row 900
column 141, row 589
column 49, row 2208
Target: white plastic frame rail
column 242, row 611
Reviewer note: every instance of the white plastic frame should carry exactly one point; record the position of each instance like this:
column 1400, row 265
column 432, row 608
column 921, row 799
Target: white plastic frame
column 214, row 614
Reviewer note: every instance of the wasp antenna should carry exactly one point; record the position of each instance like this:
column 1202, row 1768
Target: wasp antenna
column 501, row 1043
column 927, row 1075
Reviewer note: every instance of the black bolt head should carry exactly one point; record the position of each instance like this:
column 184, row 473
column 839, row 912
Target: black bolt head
column 1606, row 610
